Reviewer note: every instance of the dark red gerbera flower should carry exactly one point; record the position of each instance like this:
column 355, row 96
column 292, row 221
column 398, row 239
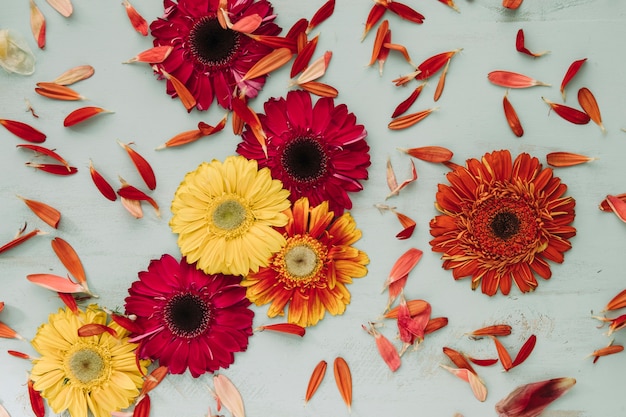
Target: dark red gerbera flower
column 190, row 319
column 317, row 151
column 208, row 59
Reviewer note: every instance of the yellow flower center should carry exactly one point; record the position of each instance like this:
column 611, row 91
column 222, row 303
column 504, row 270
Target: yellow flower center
column 87, row 365
column 229, row 216
column 301, row 261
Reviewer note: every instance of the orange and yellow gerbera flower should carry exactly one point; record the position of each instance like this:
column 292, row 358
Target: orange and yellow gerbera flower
column 502, row 221
column 310, row 274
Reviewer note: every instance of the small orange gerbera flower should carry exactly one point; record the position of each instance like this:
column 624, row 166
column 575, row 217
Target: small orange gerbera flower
column 502, row 221
column 310, row 274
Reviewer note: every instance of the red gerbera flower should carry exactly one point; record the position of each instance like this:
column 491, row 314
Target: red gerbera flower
column 501, row 221
column 317, row 151
column 208, row 59
column 190, row 319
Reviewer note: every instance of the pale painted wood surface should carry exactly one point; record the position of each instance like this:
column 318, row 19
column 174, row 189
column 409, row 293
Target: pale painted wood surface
column 273, row 373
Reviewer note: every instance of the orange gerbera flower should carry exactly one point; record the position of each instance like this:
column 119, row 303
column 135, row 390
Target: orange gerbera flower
column 502, row 221
column 310, row 273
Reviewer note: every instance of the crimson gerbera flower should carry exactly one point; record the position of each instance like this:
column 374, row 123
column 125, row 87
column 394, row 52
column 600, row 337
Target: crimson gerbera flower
column 208, row 59
column 190, row 319
column 317, row 151
column 501, row 221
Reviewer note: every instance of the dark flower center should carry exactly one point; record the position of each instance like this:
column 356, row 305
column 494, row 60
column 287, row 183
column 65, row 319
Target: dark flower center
column 304, row 160
column 187, row 315
column 505, row 225
column 211, row 44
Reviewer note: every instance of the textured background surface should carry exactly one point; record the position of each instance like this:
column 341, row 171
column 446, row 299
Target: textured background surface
column 273, row 373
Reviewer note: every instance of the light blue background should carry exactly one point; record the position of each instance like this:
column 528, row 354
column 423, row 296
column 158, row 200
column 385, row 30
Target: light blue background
column 273, row 374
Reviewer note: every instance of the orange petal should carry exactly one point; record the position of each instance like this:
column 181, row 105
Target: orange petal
column 617, row 302
column 56, row 283
column 409, row 120
column 188, row 100
column 343, row 378
column 511, row 117
column 503, row 354
column 247, row 24
column 243, row 111
column 434, row 154
column 435, row 324
column 64, row 7
column 608, row 350
column 315, row 380
column 75, row 74
column 319, row 89
column 143, row 167
column 493, row 330
column 69, row 258
column 404, row 265
column 566, row 159
column 81, row 114
column 618, row 206
column 57, row 91
column 8, row 333
column 21, row 238
column 589, row 104
column 476, row 384
column 275, row 41
column 512, row 4
column 153, row 380
column 153, row 55
column 442, row 82
column 138, row 22
column 381, row 34
column 23, row 131
column 47, row 213
column 288, row 328
column 408, row 223
column 458, row 359
column 38, row 25
column 415, row 307
column 270, row 62
column 228, row 395
column 513, row 80
column 95, row 329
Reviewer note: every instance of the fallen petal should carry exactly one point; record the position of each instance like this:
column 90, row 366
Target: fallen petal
column 493, row 330
column 139, row 23
column 56, row 283
column 23, row 131
column 75, row 74
column 95, row 329
column 617, row 302
column 618, row 206
column 228, row 395
column 570, row 114
column 38, row 25
column 143, row 167
column 102, row 184
column 343, row 378
column 154, row 55
column 64, row 7
column 36, row 400
column 15, row 54
column 435, row 154
column 81, row 114
column 47, row 213
column 321, row 14
column 566, row 159
column 572, row 70
column 513, row 80
column 589, row 104
column 288, row 328
column 511, row 117
column 531, row 399
column 57, row 92
column 409, row 120
column 403, row 265
column 315, row 380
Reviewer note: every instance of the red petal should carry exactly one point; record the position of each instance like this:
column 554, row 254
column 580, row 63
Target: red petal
column 23, row 131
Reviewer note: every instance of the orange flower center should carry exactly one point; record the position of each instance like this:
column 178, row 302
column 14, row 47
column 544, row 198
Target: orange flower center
column 505, row 227
column 301, row 262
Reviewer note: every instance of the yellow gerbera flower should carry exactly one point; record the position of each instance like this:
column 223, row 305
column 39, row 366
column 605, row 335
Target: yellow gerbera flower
column 225, row 214
column 96, row 373
column 312, row 271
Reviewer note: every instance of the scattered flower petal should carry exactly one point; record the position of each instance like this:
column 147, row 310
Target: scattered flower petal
column 15, row 54
column 343, row 378
column 476, row 384
column 404, row 106
column 493, row 330
column 154, row 55
column 589, row 104
column 315, row 380
column 510, row 79
column 75, row 74
column 512, row 4
column 570, row 73
column 57, row 92
column 45, row 212
column 511, row 117
column 102, row 184
column 409, row 120
column 435, row 154
column 228, row 395
column 570, row 114
column 617, row 302
column 55, row 169
column 138, row 22
column 143, row 167
column 520, row 46
column 289, row 328
column 23, row 131
column 38, row 25
column 21, row 238
column 81, row 114
column 531, row 399
column 56, row 283
column 64, row 7
column 567, row 159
